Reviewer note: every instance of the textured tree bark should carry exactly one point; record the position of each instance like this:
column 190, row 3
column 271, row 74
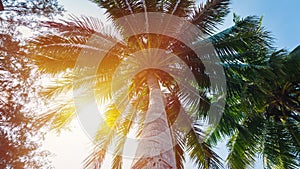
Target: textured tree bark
column 1, row 6
column 155, row 148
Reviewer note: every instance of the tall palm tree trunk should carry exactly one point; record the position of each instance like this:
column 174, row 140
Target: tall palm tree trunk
column 155, row 149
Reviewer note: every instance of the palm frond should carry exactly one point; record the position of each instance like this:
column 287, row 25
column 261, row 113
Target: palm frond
column 194, row 144
column 208, row 16
column 103, row 139
column 59, row 115
column 246, row 37
column 114, row 129
column 246, row 143
column 61, row 107
column 122, row 136
column 56, row 52
column 179, row 153
column 279, row 149
column 179, row 8
column 118, row 8
column 200, row 152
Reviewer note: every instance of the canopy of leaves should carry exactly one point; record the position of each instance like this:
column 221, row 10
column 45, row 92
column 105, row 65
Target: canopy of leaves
column 20, row 137
column 17, row 129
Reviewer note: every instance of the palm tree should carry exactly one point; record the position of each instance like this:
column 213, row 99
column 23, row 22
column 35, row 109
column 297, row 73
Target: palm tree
column 261, row 117
column 272, row 127
column 245, row 43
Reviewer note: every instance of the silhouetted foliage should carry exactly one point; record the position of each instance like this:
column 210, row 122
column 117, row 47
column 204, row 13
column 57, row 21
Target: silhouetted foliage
column 20, row 138
column 19, row 141
column 32, row 7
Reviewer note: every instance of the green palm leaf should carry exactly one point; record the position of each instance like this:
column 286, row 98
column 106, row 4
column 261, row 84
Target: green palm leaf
column 207, row 16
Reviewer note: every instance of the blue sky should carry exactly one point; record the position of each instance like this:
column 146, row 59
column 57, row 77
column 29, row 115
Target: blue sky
column 280, row 17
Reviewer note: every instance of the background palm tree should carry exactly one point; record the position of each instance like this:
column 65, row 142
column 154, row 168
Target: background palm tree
column 269, row 118
column 261, row 116
column 244, row 49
